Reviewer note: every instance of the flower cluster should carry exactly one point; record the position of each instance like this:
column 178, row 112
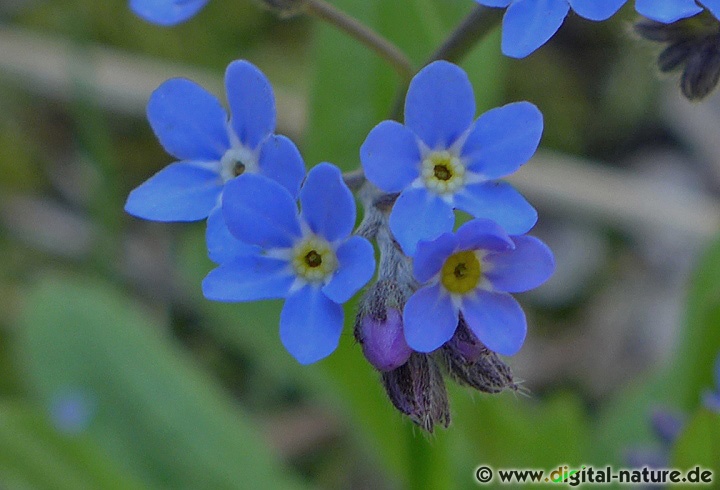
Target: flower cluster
column 441, row 300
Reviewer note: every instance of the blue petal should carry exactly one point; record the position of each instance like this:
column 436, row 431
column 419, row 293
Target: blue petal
column 419, row 215
column 327, row 204
column 390, row 156
column 494, row 3
column 711, row 400
column 249, row 278
column 667, row 11
column 356, row 265
column 430, row 319
column 713, row 6
column 259, row 211
column 497, row 320
column 166, row 12
column 596, row 10
column 222, row 246
column 188, row 120
column 431, row 255
column 526, row 267
column 483, row 234
column 503, row 139
column 310, row 325
column 252, row 103
column 280, row 160
column 440, row 104
column 182, row 191
column 528, row 24
column 500, row 202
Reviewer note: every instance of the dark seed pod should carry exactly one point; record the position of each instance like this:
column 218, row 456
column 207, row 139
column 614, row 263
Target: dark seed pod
column 417, row 389
column 482, row 370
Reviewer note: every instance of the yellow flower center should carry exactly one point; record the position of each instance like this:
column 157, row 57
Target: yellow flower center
column 443, row 172
column 314, row 259
column 461, row 272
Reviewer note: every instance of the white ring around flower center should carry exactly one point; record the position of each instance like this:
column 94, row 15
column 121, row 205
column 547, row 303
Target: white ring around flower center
column 442, row 172
column 314, row 259
column 237, row 161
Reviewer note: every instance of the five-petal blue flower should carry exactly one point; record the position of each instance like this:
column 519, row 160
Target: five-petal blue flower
column 528, row 24
column 668, row 11
column 192, row 126
column 310, row 259
column 472, row 273
column 441, row 160
column 166, row 12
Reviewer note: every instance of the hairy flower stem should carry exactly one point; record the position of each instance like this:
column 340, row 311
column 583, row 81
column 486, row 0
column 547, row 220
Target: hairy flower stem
column 459, row 43
column 384, row 48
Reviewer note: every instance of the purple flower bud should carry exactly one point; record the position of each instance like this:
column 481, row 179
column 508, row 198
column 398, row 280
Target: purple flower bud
column 379, row 325
column 383, row 341
column 464, row 343
column 417, row 389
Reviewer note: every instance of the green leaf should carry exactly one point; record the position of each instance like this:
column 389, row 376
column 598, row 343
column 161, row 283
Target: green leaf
column 162, row 418
column 699, row 444
column 692, row 371
column 35, row 455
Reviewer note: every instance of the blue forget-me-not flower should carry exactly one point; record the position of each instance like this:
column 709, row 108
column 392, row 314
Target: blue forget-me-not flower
column 668, row 11
column 471, row 272
column 442, row 159
column 166, row 12
column 310, row 258
column 192, row 126
column 528, row 24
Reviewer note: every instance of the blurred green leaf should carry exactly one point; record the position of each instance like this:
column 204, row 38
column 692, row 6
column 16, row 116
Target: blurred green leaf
column 699, row 444
column 156, row 412
column 508, row 430
column 35, row 455
column 692, row 371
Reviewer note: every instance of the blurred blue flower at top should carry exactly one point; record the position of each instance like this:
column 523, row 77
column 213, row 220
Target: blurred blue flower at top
column 711, row 398
column 166, row 12
column 310, row 259
column 528, row 24
column 669, row 11
column 472, row 273
column 192, row 126
column 442, row 159
column 72, row 410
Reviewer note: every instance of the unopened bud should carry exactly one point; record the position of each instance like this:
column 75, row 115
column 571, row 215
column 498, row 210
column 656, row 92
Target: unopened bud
column 417, row 389
column 379, row 325
column 470, row 363
column 693, row 46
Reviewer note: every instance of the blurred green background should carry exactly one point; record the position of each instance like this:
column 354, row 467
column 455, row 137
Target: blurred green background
column 115, row 372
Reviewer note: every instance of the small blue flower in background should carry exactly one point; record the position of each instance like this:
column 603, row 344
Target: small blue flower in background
column 192, row 126
column 528, row 24
column 440, row 159
column 72, row 410
column 711, row 399
column 309, row 259
column 668, row 11
column 471, row 273
column 166, row 12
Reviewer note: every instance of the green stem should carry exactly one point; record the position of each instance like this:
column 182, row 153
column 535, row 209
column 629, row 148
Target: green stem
column 384, row 48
